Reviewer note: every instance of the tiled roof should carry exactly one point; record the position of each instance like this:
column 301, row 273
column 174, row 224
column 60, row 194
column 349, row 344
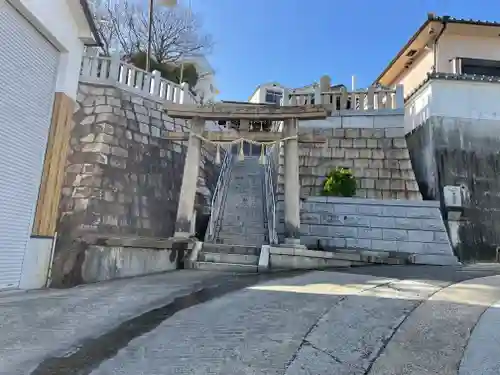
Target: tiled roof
column 470, row 21
column 433, row 18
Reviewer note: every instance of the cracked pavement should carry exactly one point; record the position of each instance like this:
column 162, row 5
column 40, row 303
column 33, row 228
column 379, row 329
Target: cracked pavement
column 373, row 320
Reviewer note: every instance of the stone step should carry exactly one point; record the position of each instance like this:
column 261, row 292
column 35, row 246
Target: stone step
column 238, row 229
column 227, row 235
column 228, row 258
column 231, row 249
column 243, row 218
column 242, row 230
column 226, row 267
column 226, row 240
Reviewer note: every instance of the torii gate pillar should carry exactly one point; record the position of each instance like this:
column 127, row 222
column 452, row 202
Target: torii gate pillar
column 292, row 183
column 187, row 196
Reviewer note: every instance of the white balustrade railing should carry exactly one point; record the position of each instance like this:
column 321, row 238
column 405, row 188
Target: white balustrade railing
column 111, row 70
column 219, row 197
column 361, row 100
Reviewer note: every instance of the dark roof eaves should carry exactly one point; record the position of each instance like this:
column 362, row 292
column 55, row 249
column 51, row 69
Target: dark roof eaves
column 93, row 27
column 431, row 18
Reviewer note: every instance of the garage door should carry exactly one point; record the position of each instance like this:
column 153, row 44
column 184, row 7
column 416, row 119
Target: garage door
column 28, row 65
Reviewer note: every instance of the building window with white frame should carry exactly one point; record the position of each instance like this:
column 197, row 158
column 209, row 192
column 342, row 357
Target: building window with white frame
column 462, row 65
column 273, row 96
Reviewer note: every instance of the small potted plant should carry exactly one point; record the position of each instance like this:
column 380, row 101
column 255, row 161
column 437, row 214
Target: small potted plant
column 340, row 182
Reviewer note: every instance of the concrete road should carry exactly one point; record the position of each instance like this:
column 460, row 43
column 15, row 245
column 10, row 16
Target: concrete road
column 374, row 320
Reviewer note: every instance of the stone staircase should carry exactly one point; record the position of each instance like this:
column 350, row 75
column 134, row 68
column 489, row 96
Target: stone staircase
column 242, row 231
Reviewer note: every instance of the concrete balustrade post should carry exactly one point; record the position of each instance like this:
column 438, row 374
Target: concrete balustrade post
column 184, row 94
column 286, row 97
column 318, row 99
column 155, row 83
column 115, row 73
column 399, row 97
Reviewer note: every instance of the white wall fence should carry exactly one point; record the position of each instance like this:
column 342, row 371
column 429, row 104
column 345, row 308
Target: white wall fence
column 372, row 99
column 111, row 70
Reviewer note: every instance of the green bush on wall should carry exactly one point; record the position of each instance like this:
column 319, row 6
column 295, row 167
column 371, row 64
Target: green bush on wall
column 339, row 183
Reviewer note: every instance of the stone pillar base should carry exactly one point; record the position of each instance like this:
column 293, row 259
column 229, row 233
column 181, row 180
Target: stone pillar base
column 182, row 236
column 291, row 243
column 182, row 246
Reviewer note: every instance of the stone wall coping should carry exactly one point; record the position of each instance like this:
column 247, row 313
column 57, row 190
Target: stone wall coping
column 275, row 250
column 373, row 202
column 116, row 85
column 280, row 250
column 110, row 240
column 372, row 112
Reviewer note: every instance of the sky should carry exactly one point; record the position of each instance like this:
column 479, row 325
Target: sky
column 295, row 42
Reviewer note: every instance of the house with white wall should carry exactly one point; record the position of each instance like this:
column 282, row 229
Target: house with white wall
column 206, row 85
column 272, row 92
column 450, row 67
column 40, row 60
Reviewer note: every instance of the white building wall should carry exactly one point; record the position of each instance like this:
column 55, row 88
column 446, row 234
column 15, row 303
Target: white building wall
column 256, row 97
column 206, row 87
column 259, row 95
column 452, row 46
column 451, row 98
column 58, row 24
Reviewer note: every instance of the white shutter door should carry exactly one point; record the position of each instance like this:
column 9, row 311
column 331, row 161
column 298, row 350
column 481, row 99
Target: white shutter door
column 28, row 68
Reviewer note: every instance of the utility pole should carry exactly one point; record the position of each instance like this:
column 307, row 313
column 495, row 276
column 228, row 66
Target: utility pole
column 172, row 4
column 150, row 32
column 167, row 3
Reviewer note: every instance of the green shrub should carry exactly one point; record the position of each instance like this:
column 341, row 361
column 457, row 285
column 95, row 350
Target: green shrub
column 339, row 183
column 168, row 71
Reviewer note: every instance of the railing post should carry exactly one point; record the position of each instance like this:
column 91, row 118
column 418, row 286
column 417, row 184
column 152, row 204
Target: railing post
column 370, row 98
column 317, row 95
column 184, row 94
column 399, row 97
column 114, row 68
column 155, row 83
column 86, row 66
column 286, row 97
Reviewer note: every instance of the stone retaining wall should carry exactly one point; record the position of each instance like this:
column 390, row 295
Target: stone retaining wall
column 122, row 177
column 115, row 257
column 372, row 146
column 398, row 226
column 463, row 152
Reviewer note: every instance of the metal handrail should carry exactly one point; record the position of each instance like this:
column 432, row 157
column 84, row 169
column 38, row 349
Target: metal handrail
column 270, row 197
column 218, row 196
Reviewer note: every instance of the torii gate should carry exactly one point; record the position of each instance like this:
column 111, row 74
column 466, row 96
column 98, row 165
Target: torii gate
column 290, row 115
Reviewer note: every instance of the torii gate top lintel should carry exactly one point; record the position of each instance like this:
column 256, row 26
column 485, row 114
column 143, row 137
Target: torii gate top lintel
column 225, row 111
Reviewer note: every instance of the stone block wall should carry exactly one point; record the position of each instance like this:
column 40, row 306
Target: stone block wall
column 397, row 226
column 373, row 147
column 121, row 176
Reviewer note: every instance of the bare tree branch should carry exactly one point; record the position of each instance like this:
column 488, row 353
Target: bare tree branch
column 176, row 33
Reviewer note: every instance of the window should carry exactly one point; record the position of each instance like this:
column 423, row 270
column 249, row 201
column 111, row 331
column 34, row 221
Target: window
column 273, row 96
column 479, row 67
